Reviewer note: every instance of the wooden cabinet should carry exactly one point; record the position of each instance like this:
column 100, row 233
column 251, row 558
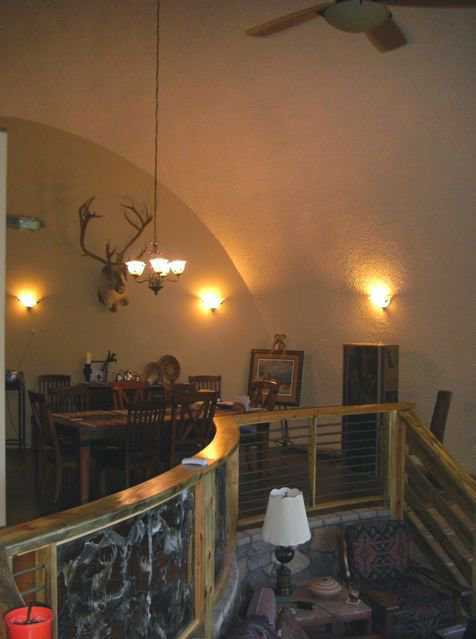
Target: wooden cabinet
column 370, row 376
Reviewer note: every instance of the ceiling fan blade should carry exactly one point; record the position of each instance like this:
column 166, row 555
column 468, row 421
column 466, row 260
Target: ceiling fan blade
column 442, row 4
column 289, row 20
column 387, row 36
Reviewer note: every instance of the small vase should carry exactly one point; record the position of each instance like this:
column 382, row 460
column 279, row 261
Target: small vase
column 87, row 370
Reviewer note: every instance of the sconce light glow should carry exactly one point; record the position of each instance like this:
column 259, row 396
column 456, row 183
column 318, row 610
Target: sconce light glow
column 27, row 299
column 380, row 296
column 211, row 301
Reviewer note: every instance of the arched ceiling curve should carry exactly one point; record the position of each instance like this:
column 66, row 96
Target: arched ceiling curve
column 309, row 155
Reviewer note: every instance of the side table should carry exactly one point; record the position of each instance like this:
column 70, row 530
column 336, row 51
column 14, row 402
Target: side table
column 331, row 611
column 452, row 632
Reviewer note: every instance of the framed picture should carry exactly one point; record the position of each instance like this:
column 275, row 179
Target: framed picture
column 285, row 367
column 98, row 372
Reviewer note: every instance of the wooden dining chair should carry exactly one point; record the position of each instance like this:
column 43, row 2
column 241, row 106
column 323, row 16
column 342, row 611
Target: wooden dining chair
column 192, row 427
column 125, row 394
column 206, row 382
column 52, row 381
column 50, row 450
column 69, row 399
column 179, row 388
column 440, row 414
column 146, row 446
column 263, row 394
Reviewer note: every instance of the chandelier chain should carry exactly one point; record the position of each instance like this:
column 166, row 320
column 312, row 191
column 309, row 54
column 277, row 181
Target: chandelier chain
column 156, row 119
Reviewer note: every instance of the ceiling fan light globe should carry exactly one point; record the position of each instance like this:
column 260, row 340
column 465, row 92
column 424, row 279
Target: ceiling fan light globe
column 356, row 16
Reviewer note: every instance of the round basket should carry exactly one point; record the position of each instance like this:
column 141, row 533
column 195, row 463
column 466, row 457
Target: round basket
column 325, row 587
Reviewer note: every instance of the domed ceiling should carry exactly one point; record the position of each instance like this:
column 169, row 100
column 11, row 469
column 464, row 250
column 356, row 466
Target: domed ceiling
column 319, row 163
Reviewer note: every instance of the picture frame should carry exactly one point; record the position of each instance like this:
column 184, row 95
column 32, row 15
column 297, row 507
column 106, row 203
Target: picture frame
column 285, row 367
column 98, row 372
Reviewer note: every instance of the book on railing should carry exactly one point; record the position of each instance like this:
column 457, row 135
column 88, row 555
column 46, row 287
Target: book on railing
column 194, row 461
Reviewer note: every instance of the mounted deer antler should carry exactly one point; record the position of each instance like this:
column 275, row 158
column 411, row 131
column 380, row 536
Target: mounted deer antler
column 111, row 291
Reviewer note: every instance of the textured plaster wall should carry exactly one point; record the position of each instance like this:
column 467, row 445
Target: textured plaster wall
column 51, row 173
column 318, row 163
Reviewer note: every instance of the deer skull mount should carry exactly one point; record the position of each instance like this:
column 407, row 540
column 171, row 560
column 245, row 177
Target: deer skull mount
column 112, row 283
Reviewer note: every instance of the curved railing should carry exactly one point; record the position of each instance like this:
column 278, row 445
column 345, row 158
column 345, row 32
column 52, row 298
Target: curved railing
column 160, row 552
column 157, row 553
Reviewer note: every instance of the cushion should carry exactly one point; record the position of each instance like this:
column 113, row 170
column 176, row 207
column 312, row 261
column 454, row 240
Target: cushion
column 378, row 551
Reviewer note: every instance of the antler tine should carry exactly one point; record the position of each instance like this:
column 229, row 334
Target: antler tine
column 144, row 220
column 109, row 251
column 85, row 216
column 140, row 225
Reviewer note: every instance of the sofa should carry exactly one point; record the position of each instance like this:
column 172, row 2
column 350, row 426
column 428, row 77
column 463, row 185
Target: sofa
column 263, row 620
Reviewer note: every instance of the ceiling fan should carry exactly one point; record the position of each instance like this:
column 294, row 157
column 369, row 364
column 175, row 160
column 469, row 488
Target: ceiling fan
column 357, row 16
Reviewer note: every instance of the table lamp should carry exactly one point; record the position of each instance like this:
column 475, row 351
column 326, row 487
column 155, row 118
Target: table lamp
column 285, row 526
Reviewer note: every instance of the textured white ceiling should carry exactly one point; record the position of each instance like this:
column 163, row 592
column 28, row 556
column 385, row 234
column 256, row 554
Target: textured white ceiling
column 320, row 158
column 286, row 147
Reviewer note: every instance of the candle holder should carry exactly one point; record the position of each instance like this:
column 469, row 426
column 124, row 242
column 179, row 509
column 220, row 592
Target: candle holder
column 87, row 371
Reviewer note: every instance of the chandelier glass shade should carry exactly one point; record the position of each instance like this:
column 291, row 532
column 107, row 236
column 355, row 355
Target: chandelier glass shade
column 157, row 269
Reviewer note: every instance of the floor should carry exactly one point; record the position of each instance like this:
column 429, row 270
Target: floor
column 21, row 498
column 23, row 501
column 283, row 465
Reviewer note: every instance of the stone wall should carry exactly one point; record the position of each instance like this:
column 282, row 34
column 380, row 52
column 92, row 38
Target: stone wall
column 255, row 567
column 319, row 557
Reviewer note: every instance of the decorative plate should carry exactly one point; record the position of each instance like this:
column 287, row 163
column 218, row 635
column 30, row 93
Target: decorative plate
column 152, row 373
column 324, row 586
column 169, row 369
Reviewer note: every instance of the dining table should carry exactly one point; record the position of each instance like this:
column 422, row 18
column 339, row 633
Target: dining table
column 92, row 426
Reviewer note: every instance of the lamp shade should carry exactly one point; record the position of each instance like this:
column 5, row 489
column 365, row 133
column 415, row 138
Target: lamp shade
column 285, row 522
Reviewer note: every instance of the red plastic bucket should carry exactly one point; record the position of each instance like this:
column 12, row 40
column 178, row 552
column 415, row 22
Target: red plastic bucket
column 40, row 626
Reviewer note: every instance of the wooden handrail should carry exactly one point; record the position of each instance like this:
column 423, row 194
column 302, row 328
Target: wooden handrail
column 320, row 411
column 105, row 511
column 436, row 483
column 449, row 471
column 47, row 531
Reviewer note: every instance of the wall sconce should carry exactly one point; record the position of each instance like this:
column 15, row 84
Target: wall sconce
column 28, row 300
column 211, row 301
column 380, row 296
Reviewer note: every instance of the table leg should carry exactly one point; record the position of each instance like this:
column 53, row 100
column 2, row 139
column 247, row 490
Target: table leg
column 84, row 465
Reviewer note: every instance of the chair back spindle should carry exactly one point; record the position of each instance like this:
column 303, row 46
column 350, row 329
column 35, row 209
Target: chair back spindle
column 128, row 393
column 52, row 382
column 69, row 399
column 149, row 437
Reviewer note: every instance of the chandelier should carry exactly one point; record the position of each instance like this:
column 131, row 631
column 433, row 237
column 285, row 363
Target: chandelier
column 157, row 269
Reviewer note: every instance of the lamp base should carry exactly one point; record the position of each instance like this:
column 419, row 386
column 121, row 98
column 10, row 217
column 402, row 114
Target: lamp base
column 284, row 585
